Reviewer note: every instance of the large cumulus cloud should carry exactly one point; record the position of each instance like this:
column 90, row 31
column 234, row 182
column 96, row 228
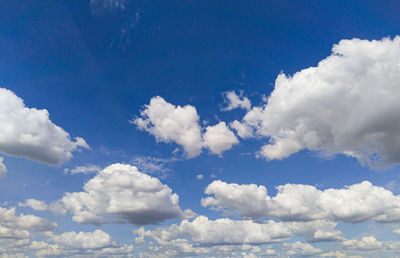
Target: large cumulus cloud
column 348, row 104
column 121, row 194
column 29, row 132
column 297, row 202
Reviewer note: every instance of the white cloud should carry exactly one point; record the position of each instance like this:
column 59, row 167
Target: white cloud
column 242, row 129
column 296, row 202
column 205, row 236
column 153, row 165
column 3, row 168
column 328, row 108
column 36, row 205
column 72, row 244
column 218, row 232
column 234, row 101
column 10, row 222
column 123, row 193
column 28, row 132
column 84, row 169
column 219, row 138
column 170, row 123
column 316, row 230
column 366, row 243
column 300, row 249
column 335, row 254
column 396, row 231
column 100, row 6
column 83, row 240
column 12, row 233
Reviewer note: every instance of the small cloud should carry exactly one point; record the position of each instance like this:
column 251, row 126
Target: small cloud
column 102, row 6
column 235, row 101
column 34, row 204
column 153, row 165
column 199, row 176
column 83, row 169
column 3, row 168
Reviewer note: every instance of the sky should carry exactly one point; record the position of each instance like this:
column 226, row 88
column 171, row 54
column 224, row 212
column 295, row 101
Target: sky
column 199, row 128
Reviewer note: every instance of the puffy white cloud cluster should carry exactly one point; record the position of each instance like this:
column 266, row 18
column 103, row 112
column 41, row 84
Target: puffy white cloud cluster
column 14, row 227
column 364, row 244
column 235, row 101
column 70, row 244
column 348, row 104
column 29, row 132
column 300, row 249
column 123, row 194
column 170, row 123
column 10, row 220
column 34, row 204
column 205, row 232
column 3, row 168
column 296, row 202
column 219, row 138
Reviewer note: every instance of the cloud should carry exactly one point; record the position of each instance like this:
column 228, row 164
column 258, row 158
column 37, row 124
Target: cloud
column 101, row 6
column 83, row 169
column 221, row 236
column 234, row 101
column 170, row 123
column 153, row 165
column 242, row 129
column 335, row 254
column 121, row 194
column 28, row 132
column 71, row 244
column 83, row 240
column 328, row 108
column 11, row 223
column 300, row 249
column 36, row 205
column 366, row 243
column 219, row 138
column 3, row 168
column 218, row 232
column 296, row 202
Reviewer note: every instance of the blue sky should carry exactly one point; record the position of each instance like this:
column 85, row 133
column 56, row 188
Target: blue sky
column 199, row 128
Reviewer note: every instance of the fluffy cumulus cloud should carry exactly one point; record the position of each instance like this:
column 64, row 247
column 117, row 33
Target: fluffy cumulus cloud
column 218, row 232
column 97, row 243
column 348, row 104
column 36, row 205
column 205, row 236
column 235, row 101
column 121, row 194
column 366, row 243
column 29, row 132
column 13, row 226
column 70, row 244
column 300, row 249
column 219, row 138
column 170, row 123
column 3, row 168
column 296, row 202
